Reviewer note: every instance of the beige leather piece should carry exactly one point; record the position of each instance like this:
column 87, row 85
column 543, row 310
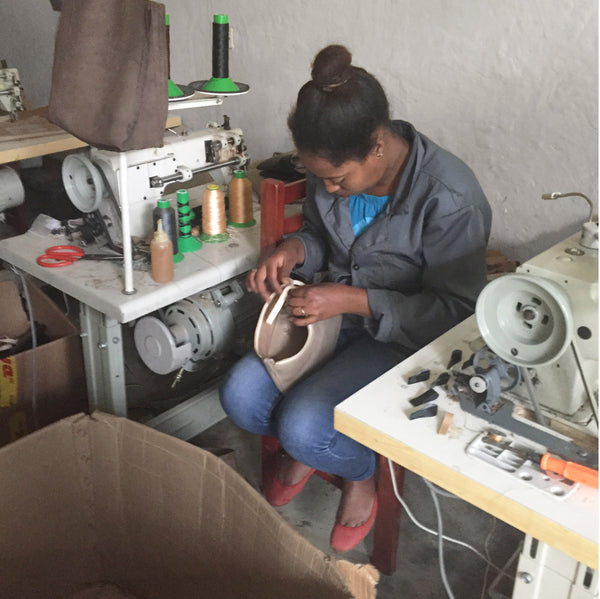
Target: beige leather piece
column 291, row 352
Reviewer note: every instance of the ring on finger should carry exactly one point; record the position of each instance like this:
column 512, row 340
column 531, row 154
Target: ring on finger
column 302, row 312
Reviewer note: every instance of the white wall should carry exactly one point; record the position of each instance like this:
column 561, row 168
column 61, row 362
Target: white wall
column 511, row 86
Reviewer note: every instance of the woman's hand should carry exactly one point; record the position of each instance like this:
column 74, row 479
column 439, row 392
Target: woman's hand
column 275, row 270
column 310, row 303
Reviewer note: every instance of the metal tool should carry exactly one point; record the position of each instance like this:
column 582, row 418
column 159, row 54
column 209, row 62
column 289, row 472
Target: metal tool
column 576, row 472
column 57, row 256
column 514, row 458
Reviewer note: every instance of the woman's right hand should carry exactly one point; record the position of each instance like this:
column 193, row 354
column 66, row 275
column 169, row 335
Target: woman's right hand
column 275, row 270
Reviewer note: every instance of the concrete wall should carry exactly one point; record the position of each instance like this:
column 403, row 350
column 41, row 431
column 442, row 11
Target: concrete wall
column 510, row 86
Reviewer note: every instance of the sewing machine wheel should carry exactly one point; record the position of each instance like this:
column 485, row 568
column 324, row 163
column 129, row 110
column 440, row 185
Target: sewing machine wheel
column 525, row 320
column 83, row 182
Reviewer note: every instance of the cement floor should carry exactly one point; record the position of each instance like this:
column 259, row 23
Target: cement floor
column 312, row 512
column 417, row 575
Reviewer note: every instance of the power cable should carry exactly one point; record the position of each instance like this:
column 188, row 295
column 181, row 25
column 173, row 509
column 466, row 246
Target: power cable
column 441, row 537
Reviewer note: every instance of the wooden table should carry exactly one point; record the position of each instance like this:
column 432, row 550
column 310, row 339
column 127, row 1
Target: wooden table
column 32, row 135
column 378, row 416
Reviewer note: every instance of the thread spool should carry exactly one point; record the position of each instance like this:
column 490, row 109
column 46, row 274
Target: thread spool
column 213, row 215
column 174, row 91
column 220, row 81
column 240, row 201
column 220, row 58
column 187, row 242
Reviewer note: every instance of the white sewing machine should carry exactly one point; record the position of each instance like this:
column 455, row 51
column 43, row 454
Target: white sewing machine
column 11, row 100
column 91, row 177
column 206, row 324
column 534, row 369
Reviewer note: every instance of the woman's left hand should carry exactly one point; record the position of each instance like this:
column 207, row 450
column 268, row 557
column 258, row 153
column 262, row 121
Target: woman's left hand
column 311, row 303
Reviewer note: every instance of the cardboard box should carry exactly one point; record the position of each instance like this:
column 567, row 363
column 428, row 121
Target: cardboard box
column 51, row 376
column 105, row 508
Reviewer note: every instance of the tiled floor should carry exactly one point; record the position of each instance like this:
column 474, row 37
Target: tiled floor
column 417, row 576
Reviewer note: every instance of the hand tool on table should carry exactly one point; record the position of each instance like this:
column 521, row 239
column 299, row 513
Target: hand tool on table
column 65, row 255
column 571, row 470
column 546, row 461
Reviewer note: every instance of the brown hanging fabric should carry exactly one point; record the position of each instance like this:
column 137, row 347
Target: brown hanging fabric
column 110, row 73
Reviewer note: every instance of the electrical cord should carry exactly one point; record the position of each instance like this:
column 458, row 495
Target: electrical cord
column 441, row 537
column 487, row 555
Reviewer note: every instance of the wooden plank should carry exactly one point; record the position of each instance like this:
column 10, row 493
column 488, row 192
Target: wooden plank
column 33, row 135
column 511, row 512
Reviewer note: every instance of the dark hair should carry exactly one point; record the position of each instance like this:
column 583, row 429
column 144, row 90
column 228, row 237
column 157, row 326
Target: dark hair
column 338, row 111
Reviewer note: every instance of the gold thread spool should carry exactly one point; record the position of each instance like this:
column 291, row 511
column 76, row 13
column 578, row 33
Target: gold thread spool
column 214, row 222
column 240, row 200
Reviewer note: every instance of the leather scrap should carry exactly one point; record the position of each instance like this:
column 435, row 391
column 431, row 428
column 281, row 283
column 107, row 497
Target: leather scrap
column 429, row 395
column 426, row 412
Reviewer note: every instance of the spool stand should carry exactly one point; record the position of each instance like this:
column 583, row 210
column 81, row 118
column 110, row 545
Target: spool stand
column 187, row 242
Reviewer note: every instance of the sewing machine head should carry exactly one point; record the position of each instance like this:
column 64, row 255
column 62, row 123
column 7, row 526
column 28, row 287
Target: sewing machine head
column 91, row 177
column 534, row 369
column 11, row 100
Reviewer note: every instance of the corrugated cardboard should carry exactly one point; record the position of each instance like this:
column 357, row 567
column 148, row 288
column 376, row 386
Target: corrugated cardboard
column 53, row 371
column 100, row 507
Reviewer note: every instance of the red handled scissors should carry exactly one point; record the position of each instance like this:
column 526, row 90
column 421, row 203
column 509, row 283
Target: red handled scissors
column 65, row 255
column 60, row 255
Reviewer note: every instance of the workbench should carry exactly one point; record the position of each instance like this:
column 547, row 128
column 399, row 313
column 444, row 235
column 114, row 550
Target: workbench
column 98, row 285
column 32, row 135
column 378, row 416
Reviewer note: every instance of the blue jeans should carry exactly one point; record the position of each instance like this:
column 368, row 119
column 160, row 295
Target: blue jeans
column 302, row 418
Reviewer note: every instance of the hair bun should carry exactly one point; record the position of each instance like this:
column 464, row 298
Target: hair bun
column 332, row 67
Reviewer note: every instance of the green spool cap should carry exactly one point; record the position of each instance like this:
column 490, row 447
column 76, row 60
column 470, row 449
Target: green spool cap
column 189, row 244
column 242, row 225
column 239, row 174
column 220, row 85
column 218, row 238
column 174, row 90
column 167, row 19
column 220, row 19
column 163, row 203
column 182, row 196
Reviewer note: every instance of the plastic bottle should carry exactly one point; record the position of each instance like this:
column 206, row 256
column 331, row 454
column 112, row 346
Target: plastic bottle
column 161, row 255
column 167, row 214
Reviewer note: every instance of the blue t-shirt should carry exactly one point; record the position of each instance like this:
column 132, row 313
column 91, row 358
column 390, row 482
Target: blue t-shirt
column 363, row 209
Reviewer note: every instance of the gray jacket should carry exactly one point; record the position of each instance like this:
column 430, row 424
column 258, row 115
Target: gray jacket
column 422, row 260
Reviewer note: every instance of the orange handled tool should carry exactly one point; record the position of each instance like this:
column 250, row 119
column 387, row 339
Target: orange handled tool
column 571, row 470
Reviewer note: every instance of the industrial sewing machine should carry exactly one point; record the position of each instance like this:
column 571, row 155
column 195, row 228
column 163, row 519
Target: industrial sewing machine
column 11, row 100
column 534, row 370
column 91, row 177
column 205, row 325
